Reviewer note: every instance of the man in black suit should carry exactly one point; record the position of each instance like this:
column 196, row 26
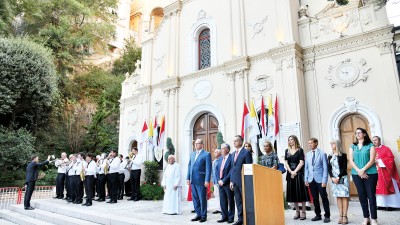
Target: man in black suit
column 223, row 169
column 31, row 177
column 240, row 156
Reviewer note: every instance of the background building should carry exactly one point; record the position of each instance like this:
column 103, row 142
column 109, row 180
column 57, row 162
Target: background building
column 331, row 67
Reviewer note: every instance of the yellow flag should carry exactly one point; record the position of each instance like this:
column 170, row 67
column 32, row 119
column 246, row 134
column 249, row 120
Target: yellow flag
column 269, row 106
column 151, row 131
column 252, row 110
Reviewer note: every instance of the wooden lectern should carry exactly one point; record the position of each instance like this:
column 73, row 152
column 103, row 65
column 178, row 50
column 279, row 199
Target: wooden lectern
column 262, row 195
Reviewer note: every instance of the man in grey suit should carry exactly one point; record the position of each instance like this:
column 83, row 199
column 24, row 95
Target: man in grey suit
column 316, row 177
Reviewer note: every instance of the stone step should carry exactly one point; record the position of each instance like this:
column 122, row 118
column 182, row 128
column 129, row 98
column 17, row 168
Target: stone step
column 21, row 219
column 50, row 217
column 6, row 222
column 85, row 213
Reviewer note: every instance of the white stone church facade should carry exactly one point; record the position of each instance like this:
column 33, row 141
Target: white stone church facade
column 332, row 69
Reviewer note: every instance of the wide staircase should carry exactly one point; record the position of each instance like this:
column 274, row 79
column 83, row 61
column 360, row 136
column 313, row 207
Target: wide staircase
column 48, row 211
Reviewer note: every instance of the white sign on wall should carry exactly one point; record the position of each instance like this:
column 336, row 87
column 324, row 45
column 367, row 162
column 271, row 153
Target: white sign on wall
column 287, row 129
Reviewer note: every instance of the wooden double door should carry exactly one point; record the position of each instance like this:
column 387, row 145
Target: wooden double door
column 206, row 128
column 347, row 136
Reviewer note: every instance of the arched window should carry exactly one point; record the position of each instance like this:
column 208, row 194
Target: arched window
column 155, row 19
column 204, row 49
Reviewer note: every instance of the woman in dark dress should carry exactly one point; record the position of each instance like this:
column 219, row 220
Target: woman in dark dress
column 296, row 191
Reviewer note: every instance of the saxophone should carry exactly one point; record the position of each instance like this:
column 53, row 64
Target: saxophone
column 106, row 167
column 82, row 173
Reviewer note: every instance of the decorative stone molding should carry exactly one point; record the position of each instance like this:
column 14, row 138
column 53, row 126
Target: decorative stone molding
column 167, row 92
column 173, row 8
column 351, row 43
column 278, row 64
column 171, row 83
column 258, row 27
column 158, row 62
column 262, row 84
column 236, row 65
column 132, row 117
column 308, row 64
column 202, row 89
column 347, row 73
column 203, row 21
column 285, row 50
column 350, row 106
column 299, row 63
column 158, row 106
column 385, row 47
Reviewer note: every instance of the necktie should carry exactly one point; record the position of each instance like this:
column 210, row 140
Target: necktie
column 236, row 154
column 313, row 157
column 197, row 154
column 222, row 168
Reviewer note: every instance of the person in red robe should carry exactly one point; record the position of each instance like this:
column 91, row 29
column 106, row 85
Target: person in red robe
column 387, row 189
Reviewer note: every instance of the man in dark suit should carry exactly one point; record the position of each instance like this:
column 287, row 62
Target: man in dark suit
column 199, row 176
column 32, row 174
column 223, row 169
column 240, row 156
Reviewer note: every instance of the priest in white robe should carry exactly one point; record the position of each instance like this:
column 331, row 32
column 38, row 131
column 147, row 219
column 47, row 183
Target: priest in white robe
column 172, row 187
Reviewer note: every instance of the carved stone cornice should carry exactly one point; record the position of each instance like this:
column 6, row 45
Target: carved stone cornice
column 351, row 43
column 284, row 51
column 173, row 8
column 238, row 65
column 170, row 84
column 131, row 101
column 385, row 47
column 308, row 64
column 148, row 41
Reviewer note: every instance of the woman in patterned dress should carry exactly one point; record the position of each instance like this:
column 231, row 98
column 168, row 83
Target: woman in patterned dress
column 270, row 159
column 296, row 190
column 337, row 169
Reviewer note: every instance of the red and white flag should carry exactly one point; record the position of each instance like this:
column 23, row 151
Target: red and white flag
column 162, row 133
column 276, row 117
column 155, row 132
column 245, row 119
column 145, row 130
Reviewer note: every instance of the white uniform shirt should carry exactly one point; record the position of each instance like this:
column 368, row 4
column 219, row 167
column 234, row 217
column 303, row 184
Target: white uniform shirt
column 114, row 165
column 60, row 165
column 137, row 162
column 91, row 169
column 100, row 168
column 122, row 167
column 79, row 166
column 70, row 168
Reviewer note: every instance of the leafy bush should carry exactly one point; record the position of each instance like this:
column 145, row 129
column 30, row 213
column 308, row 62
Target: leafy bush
column 220, row 139
column 48, row 177
column 28, row 82
column 151, row 172
column 151, row 191
column 16, row 148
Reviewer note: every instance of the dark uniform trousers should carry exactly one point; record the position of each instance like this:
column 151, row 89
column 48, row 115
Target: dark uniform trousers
column 135, row 183
column 60, row 185
column 113, row 180
column 78, row 188
column 30, row 187
column 89, row 185
column 67, row 186
column 101, row 191
column 121, row 185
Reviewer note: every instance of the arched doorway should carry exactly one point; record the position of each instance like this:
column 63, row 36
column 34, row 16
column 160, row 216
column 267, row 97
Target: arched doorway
column 206, row 128
column 155, row 18
column 347, row 128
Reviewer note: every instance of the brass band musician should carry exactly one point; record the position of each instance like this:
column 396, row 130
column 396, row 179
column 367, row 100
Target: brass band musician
column 61, row 170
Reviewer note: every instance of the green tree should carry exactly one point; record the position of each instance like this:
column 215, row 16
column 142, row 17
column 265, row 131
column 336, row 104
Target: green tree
column 69, row 27
column 220, row 139
column 130, row 54
column 170, row 149
column 28, row 82
column 7, row 15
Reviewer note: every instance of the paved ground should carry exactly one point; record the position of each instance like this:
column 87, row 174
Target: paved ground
column 151, row 211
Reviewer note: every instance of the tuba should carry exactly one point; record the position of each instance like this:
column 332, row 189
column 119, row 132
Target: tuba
column 82, row 173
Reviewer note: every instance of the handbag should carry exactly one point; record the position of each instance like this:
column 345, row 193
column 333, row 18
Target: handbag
column 281, row 168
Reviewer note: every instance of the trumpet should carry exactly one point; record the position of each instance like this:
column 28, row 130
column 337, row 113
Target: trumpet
column 82, row 174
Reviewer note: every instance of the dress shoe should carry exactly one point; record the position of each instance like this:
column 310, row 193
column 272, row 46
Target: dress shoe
column 202, row 220
column 327, row 220
column 100, row 200
column 216, row 212
column 88, row 204
column 84, row 204
column 130, row 199
column 230, row 221
column 29, row 208
column 222, row 220
column 238, row 223
column 70, row 200
column 308, row 208
column 136, row 199
column 112, row 202
column 316, row 218
column 197, row 218
column 193, row 211
column 107, row 197
column 389, row 209
column 55, row 197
